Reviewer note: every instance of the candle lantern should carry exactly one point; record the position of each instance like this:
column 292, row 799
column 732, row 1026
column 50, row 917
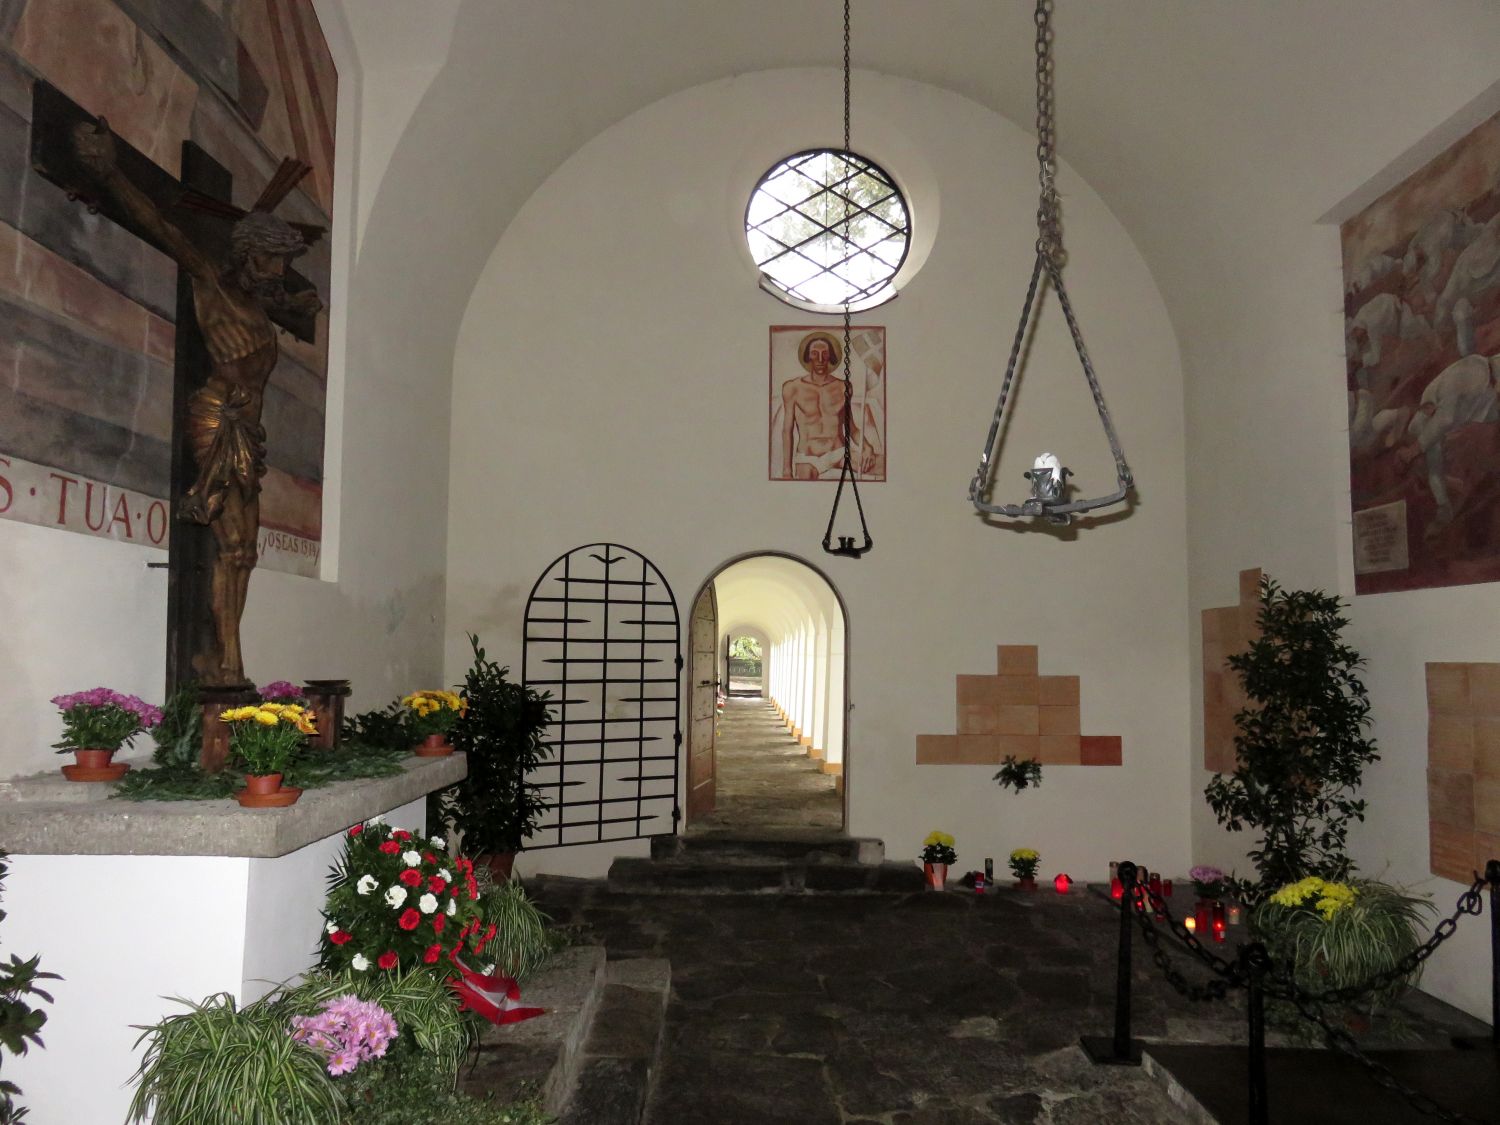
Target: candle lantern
column 1218, row 921
column 1236, row 913
column 1062, row 883
column 1114, row 869
column 1166, row 887
column 326, row 698
column 1116, row 888
column 1190, row 924
column 1203, row 915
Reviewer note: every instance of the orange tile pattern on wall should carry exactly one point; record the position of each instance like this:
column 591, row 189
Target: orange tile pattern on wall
column 1226, row 631
column 1463, row 767
column 1018, row 712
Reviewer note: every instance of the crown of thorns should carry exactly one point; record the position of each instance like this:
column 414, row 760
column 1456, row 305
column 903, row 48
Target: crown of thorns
column 257, row 229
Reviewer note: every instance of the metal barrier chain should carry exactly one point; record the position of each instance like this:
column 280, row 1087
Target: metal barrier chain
column 1470, row 902
column 1198, row 993
column 1341, row 1040
column 1224, row 968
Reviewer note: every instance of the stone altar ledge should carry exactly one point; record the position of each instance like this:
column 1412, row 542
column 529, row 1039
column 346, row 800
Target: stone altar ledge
column 45, row 815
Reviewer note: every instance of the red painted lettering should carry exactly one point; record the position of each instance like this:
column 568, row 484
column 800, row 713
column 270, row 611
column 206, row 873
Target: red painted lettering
column 122, row 515
column 5, row 487
column 62, row 499
column 88, row 505
column 156, row 522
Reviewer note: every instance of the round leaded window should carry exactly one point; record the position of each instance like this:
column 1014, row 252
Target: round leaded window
column 828, row 228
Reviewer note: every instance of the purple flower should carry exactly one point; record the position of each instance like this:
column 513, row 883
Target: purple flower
column 279, row 691
column 348, row 1031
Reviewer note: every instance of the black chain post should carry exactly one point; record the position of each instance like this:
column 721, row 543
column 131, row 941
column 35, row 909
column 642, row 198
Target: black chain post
column 1255, row 963
column 1120, row 1049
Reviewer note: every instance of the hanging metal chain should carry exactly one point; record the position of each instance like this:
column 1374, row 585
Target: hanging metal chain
column 846, row 419
column 1049, row 243
column 1216, row 989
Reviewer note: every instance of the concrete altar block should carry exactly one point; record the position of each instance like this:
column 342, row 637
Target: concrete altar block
column 237, row 909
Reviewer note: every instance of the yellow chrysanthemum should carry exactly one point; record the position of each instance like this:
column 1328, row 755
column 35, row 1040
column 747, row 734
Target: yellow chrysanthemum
column 266, row 719
column 1025, row 853
column 1328, row 898
column 305, row 725
column 941, row 838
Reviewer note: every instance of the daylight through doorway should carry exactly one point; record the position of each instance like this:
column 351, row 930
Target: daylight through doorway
column 767, row 676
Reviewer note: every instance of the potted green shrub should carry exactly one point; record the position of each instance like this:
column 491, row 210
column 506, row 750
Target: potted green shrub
column 501, row 729
column 1300, row 747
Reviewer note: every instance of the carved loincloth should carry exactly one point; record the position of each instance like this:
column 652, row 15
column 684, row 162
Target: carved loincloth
column 229, row 449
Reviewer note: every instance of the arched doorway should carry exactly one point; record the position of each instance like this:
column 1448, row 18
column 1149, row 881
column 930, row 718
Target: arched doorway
column 776, row 758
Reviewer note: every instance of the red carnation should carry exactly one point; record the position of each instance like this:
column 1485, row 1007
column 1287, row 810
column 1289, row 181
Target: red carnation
column 473, row 889
column 438, row 922
column 390, row 847
column 489, row 933
column 401, row 834
column 339, row 937
column 387, row 960
column 411, row 877
column 437, row 885
column 409, row 920
column 432, row 954
column 428, row 857
column 464, row 864
column 356, row 830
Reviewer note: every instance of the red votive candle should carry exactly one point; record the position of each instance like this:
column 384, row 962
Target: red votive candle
column 1203, row 915
column 1116, row 888
column 1218, row 921
column 1166, row 887
column 1062, row 883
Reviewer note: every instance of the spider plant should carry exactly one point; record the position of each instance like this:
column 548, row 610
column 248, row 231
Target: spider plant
column 232, row 1066
column 522, row 942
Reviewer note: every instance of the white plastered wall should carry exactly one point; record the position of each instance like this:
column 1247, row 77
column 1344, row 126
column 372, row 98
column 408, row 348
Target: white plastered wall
column 610, row 383
column 1269, row 479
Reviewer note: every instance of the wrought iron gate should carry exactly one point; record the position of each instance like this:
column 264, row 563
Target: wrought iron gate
column 603, row 636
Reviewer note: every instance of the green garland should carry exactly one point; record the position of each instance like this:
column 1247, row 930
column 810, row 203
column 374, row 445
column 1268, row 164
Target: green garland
column 186, row 781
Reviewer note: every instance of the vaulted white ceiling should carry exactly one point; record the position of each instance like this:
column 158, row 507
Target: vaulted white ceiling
column 1193, row 119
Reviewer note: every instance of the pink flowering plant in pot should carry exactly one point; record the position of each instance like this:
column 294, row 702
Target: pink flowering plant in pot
column 102, row 720
column 398, row 902
column 283, row 691
column 347, row 1031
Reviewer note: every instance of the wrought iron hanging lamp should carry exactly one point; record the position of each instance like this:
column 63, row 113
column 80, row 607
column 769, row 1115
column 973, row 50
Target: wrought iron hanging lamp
column 846, row 545
column 1048, row 476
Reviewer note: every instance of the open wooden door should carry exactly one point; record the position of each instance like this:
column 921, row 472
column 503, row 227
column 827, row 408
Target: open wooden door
column 703, row 680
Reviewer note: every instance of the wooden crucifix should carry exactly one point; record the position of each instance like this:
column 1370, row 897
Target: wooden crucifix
column 234, row 288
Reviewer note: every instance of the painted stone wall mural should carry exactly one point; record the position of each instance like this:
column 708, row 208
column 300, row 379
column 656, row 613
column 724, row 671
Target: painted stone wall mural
column 87, row 309
column 807, row 400
column 1422, row 341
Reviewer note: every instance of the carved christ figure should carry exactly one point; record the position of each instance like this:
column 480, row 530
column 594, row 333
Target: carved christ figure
column 233, row 300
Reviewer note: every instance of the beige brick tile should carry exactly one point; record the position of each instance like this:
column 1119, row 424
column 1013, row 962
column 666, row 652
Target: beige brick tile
column 1448, row 689
column 1451, row 852
column 1059, row 691
column 1060, row 720
column 976, row 719
column 978, row 750
column 1017, row 718
column 1101, row 750
column 977, row 691
column 1484, row 689
column 1019, row 745
column 1017, row 660
column 1018, row 689
column 1450, row 798
column 937, row 749
column 1060, row 750
column 1450, row 742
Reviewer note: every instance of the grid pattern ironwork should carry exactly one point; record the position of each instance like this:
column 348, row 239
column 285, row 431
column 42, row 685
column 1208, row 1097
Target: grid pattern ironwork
column 828, row 227
column 604, row 638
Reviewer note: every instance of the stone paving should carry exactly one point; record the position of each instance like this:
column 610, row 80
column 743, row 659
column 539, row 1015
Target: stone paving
column 764, row 778
column 923, row 1009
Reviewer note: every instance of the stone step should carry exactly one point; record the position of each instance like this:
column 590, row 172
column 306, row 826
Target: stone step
column 770, row 846
column 713, row 876
column 623, row 1049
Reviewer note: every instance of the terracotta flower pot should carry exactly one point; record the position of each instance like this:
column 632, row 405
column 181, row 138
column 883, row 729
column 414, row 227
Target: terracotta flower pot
column 433, row 746
column 94, row 765
column 1026, row 882
column 265, row 791
column 937, row 876
column 500, row 865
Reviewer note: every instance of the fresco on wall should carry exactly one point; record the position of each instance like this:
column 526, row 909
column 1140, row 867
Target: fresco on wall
column 87, row 309
column 1422, row 342
column 807, row 400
